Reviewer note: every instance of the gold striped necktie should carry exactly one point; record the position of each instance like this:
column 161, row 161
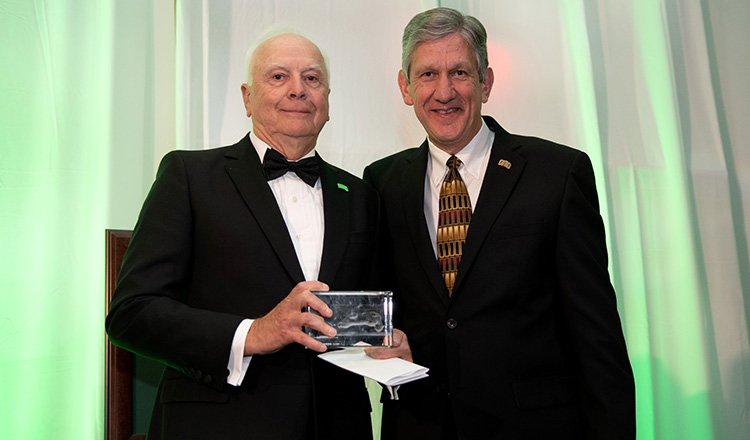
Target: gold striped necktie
column 453, row 222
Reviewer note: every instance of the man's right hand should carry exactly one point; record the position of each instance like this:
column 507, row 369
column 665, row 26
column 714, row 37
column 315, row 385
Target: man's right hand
column 283, row 324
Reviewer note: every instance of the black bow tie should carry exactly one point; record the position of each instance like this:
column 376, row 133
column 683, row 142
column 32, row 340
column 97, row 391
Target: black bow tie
column 275, row 165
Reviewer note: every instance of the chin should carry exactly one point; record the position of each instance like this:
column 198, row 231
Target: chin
column 446, row 138
column 300, row 130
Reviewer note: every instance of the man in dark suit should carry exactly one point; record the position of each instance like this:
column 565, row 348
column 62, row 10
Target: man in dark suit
column 517, row 317
column 226, row 253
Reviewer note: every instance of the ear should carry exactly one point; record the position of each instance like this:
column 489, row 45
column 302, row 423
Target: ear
column 246, row 98
column 328, row 117
column 489, row 79
column 403, row 85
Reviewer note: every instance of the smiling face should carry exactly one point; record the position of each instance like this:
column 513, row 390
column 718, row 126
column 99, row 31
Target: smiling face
column 445, row 91
column 288, row 97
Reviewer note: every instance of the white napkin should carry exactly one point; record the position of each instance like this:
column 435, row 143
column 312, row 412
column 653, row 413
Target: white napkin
column 391, row 372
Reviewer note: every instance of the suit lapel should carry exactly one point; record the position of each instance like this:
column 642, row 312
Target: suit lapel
column 246, row 171
column 336, row 206
column 413, row 208
column 497, row 186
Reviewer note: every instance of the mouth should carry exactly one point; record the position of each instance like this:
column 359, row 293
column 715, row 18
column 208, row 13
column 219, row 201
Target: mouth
column 296, row 111
column 446, row 111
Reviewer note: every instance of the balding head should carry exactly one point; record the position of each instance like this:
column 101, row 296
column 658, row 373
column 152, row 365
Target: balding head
column 278, row 40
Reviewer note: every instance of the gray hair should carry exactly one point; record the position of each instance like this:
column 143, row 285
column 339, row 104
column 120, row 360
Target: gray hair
column 438, row 23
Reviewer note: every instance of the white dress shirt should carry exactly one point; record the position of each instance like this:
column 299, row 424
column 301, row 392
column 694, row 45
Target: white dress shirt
column 474, row 157
column 302, row 208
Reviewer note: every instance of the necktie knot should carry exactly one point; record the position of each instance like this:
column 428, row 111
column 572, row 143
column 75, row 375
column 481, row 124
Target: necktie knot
column 276, row 165
column 453, row 163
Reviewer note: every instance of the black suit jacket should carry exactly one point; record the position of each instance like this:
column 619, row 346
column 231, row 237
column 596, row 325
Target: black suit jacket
column 211, row 248
column 530, row 344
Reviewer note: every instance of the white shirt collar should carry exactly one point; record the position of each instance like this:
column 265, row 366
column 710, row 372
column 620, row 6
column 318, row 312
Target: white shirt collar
column 261, row 147
column 472, row 157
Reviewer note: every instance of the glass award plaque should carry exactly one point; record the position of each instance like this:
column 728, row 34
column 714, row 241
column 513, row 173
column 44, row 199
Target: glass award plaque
column 358, row 317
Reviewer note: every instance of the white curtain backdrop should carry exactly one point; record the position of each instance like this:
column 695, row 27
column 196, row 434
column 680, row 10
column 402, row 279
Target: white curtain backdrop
column 655, row 91
column 94, row 92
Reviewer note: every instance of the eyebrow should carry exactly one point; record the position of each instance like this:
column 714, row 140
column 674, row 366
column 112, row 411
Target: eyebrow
column 461, row 65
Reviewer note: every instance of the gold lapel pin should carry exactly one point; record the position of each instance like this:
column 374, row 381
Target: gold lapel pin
column 504, row 163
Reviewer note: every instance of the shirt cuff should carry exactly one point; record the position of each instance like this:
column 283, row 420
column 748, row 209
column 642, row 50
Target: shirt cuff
column 238, row 362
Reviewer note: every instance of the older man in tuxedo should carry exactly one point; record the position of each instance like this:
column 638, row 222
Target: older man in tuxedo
column 229, row 246
column 498, row 263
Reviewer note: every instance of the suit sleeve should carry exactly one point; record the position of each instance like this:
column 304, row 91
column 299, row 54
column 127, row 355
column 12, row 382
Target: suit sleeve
column 590, row 310
column 382, row 274
column 149, row 314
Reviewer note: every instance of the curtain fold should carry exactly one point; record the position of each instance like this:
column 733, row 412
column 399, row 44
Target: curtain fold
column 53, row 198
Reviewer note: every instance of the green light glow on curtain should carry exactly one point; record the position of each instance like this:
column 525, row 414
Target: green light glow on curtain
column 53, row 167
column 680, row 388
column 658, row 292
column 583, row 108
column 632, row 291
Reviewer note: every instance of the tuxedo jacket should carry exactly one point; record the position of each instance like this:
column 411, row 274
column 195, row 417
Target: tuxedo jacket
column 530, row 344
column 210, row 249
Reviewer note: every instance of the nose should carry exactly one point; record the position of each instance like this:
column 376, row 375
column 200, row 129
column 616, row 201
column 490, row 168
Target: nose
column 444, row 90
column 297, row 89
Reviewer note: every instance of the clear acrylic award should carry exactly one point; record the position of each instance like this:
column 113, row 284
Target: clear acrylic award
column 358, row 317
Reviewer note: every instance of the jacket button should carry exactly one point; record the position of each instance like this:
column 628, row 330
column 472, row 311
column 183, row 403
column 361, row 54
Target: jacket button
column 451, row 323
